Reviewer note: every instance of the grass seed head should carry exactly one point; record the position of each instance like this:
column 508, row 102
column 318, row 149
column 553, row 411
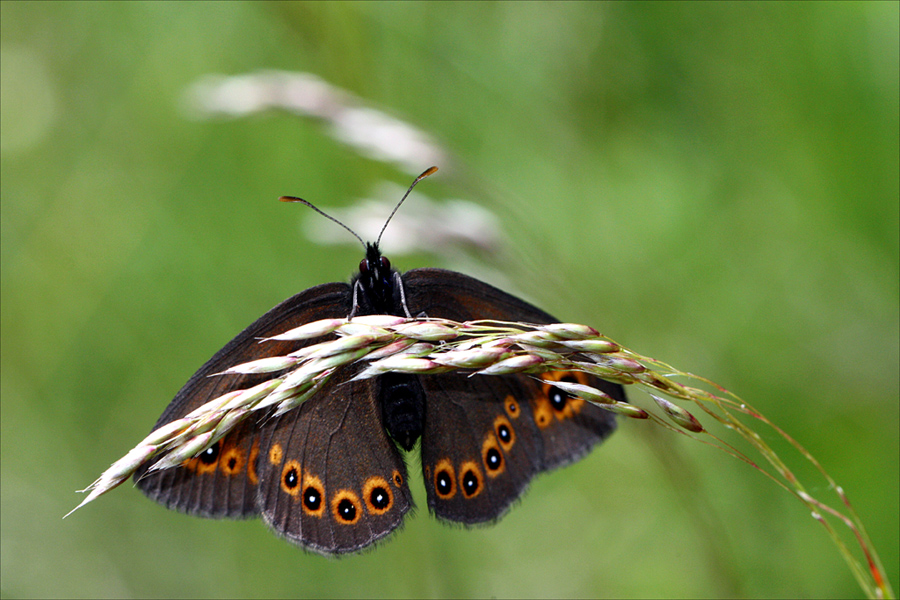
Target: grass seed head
column 309, row 330
column 515, row 364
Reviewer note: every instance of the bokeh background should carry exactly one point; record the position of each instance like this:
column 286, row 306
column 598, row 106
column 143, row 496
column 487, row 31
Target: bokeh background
column 714, row 185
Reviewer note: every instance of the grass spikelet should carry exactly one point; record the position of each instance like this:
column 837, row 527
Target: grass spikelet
column 485, row 348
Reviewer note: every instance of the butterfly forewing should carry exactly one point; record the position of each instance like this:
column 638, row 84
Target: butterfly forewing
column 222, row 481
column 486, row 437
column 325, row 475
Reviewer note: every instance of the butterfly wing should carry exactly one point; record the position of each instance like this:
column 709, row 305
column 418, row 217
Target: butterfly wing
column 222, row 482
column 330, row 479
column 486, row 437
column 249, row 470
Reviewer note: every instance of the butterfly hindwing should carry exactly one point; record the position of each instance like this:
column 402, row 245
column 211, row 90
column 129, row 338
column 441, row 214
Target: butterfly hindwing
column 477, row 456
column 486, row 437
column 330, row 478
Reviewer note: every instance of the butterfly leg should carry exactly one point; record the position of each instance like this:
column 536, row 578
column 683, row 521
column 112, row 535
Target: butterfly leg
column 356, row 286
column 399, row 283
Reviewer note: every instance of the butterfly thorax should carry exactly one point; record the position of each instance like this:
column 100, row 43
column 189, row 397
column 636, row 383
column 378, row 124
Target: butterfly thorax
column 401, row 397
column 374, row 287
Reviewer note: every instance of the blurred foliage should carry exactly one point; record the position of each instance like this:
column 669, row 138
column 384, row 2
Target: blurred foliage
column 713, row 184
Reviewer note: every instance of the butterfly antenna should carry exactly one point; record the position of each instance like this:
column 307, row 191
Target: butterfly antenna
column 430, row 171
column 324, row 214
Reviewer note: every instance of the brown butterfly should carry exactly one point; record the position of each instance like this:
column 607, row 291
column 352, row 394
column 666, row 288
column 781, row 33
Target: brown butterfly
column 329, row 476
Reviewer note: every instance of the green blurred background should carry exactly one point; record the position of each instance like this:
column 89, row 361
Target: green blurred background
column 714, row 185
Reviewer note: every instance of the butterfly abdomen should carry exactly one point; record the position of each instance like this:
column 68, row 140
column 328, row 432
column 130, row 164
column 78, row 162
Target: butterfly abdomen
column 402, row 407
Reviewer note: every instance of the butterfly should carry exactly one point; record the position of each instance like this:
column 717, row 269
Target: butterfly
column 329, row 475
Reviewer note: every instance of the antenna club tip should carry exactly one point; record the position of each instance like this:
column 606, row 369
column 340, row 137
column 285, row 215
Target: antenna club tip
column 428, row 171
column 289, row 199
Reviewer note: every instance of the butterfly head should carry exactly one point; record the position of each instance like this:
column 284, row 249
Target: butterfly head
column 377, row 280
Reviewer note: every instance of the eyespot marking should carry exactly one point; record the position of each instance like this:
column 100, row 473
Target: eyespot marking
column 290, row 478
column 492, row 457
column 512, row 407
column 345, row 507
column 471, row 481
column 378, row 495
column 560, row 404
column 208, row 460
column 506, row 435
column 233, row 460
column 444, row 479
column 276, row 454
column 313, row 496
column 543, row 414
column 397, row 478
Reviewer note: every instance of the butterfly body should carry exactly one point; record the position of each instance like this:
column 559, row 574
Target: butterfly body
column 329, row 475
